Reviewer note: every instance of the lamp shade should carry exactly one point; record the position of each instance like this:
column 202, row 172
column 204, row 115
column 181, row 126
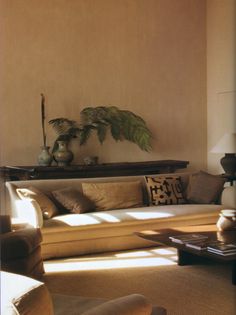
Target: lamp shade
column 226, row 144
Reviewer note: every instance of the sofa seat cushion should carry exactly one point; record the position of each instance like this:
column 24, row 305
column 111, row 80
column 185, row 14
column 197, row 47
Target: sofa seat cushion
column 120, row 222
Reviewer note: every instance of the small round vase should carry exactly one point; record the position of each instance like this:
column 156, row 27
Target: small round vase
column 63, row 156
column 45, row 157
column 227, row 220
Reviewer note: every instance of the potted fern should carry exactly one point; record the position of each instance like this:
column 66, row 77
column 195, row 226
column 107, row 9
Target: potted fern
column 122, row 124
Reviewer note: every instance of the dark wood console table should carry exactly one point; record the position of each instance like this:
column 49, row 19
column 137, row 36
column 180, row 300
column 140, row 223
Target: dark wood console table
column 86, row 171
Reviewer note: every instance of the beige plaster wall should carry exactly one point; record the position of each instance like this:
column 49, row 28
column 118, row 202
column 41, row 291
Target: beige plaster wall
column 147, row 56
column 221, row 72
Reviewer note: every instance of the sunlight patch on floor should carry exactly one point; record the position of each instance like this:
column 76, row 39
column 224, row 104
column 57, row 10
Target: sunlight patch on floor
column 132, row 259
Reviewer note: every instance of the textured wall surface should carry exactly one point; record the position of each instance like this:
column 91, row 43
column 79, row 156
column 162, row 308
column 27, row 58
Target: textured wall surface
column 147, row 56
column 221, row 75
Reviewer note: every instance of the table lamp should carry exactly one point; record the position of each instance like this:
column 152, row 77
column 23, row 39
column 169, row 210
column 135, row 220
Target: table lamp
column 227, row 145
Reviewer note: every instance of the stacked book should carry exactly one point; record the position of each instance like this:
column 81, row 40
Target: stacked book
column 186, row 238
column 202, row 242
column 223, row 249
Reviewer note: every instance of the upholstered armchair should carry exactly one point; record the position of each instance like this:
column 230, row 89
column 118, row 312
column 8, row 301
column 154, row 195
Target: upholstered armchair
column 32, row 297
column 20, row 249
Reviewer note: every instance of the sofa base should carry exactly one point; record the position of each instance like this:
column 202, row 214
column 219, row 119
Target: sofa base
column 84, row 247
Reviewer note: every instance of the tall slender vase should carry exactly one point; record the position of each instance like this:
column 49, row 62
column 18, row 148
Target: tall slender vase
column 45, row 157
column 63, row 156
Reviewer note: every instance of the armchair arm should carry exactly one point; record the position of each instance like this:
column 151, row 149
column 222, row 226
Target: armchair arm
column 19, row 243
column 134, row 304
column 228, row 197
column 23, row 295
column 5, row 224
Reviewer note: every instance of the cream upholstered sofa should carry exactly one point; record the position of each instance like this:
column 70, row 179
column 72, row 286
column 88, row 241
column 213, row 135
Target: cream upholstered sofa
column 100, row 231
column 32, row 297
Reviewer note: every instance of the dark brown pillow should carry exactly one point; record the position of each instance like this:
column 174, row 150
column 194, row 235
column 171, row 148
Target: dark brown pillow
column 204, row 188
column 165, row 190
column 73, row 200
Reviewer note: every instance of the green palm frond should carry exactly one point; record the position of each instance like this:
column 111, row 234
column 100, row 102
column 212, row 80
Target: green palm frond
column 63, row 125
column 123, row 125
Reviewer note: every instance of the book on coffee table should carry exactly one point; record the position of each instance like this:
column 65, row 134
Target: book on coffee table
column 200, row 245
column 186, row 238
column 222, row 248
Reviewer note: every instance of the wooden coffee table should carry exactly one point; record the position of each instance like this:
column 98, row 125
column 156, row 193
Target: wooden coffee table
column 188, row 255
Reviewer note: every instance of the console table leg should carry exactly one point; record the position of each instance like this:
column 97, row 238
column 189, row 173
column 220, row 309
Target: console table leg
column 234, row 272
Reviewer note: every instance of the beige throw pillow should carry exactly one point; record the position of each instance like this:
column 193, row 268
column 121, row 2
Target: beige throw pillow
column 48, row 208
column 73, row 200
column 204, row 188
column 165, row 190
column 114, row 195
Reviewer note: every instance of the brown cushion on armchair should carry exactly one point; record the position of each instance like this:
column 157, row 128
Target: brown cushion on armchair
column 21, row 251
column 32, row 297
column 20, row 243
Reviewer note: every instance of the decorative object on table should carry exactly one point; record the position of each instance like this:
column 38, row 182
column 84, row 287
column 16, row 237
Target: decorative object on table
column 227, row 145
column 63, row 156
column 45, row 157
column 91, row 160
column 227, row 220
column 123, row 125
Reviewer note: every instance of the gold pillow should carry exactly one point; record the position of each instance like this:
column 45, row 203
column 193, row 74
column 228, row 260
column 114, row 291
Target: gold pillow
column 165, row 190
column 48, row 208
column 114, row 195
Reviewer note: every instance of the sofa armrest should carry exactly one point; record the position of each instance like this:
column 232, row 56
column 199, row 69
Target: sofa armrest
column 228, row 197
column 29, row 212
column 134, row 304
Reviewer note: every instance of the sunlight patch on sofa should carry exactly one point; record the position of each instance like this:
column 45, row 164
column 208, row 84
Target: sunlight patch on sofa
column 106, row 217
column 148, row 215
column 75, row 220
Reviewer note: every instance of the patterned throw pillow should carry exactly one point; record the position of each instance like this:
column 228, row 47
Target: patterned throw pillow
column 166, row 190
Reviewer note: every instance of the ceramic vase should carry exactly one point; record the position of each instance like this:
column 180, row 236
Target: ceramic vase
column 45, row 157
column 63, row 156
column 227, row 220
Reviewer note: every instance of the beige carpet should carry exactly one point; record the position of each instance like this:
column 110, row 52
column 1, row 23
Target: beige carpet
column 203, row 289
